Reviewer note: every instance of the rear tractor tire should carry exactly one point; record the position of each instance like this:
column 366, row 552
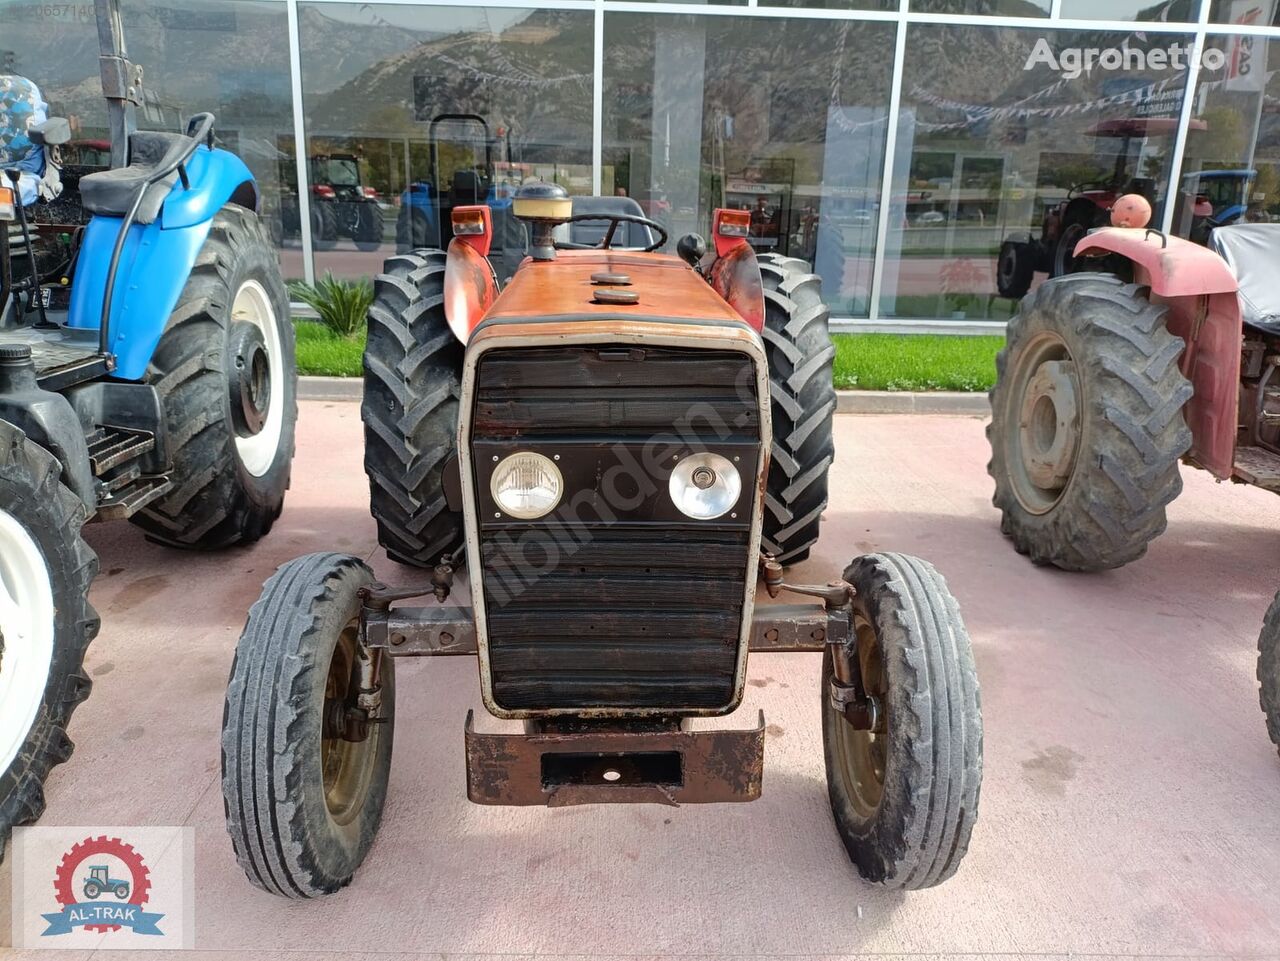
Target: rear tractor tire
column 226, row 374
column 303, row 799
column 46, row 623
column 412, row 387
column 1269, row 670
column 1086, row 423
column 904, row 794
column 798, row 345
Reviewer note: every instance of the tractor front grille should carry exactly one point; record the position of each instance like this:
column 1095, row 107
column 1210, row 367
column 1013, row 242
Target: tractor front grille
column 614, row 604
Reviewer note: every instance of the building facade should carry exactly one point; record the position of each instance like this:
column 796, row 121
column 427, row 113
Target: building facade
column 932, row 158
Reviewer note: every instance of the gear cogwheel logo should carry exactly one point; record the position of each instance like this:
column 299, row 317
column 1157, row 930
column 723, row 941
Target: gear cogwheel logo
column 95, row 894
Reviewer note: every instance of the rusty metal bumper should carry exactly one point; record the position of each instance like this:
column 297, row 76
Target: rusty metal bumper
column 614, row 764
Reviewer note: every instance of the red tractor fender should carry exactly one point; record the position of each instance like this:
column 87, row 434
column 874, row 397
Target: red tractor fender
column 1200, row 291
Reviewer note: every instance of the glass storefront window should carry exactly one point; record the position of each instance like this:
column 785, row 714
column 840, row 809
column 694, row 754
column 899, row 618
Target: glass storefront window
column 411, row 110
column 785, row 118
column 1252, row 13
column 229, row 57
column 1231, row 165
column 1007, row 144
column 984, row 8
column 1171, row 11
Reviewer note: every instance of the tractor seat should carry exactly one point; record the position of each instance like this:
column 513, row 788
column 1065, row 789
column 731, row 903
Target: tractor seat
column 110, row 192
column 1253, row 252
column 592, row 232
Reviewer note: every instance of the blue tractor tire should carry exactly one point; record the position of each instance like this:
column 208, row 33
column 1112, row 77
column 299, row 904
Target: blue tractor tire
column 226, row 375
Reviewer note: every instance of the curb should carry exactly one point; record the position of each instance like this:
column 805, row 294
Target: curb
column 847, row 401
column 331, row 388
column 958, row 403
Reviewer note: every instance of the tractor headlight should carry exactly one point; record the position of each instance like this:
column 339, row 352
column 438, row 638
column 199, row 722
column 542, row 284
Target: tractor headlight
column 526, row 485
column 704, row 486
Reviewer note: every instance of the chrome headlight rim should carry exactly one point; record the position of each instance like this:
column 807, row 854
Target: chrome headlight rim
column 719, row 498
column 526, row 514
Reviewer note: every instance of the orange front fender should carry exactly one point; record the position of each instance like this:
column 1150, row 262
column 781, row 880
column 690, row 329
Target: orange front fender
column 1200, row 291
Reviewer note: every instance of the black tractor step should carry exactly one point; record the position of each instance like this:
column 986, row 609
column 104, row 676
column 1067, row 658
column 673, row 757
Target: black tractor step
column 1258, row 467
column 63, row 356
column 133, row 498
column 112, row 446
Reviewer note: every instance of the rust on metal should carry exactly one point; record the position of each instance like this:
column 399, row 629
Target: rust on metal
column 563, row 287
column 619, row 298
column 789, row 627
column 421, row 631
column 624, row 761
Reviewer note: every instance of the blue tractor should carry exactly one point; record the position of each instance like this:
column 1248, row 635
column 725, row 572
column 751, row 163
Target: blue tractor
column 146, row 372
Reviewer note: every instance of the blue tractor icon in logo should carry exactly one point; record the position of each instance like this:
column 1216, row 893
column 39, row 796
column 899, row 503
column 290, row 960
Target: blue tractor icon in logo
column 98, row 881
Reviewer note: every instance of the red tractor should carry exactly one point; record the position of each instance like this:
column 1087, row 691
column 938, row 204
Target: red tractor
column 618, row 446
column 1086, row 207
column 1107, row 381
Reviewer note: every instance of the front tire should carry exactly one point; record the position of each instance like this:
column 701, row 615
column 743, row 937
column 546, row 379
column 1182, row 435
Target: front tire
column 302, row 803
column 412, row 386
column 798, row 345
column 1015, row 268
column 1269, row 670
column 226, row 374
column 46, row 623
column 368, row 232
column 905, row 796
column 1086, row 423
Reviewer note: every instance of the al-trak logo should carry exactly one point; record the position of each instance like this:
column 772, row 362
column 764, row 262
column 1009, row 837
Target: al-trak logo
column 102, row 885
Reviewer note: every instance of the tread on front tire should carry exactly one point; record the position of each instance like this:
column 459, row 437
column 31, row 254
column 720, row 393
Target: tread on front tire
column 39, row 508
column 803, row 401
column 1269, row 670
column 909, row 826
column 412, row 387
column 218, row 497
column 286, row 834
column 1084, row 484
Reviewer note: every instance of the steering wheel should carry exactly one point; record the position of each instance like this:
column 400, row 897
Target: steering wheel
column 614, row 221
column 1078, row 189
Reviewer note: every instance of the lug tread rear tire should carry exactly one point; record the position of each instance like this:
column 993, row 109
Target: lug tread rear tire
column 54, row 516
column 933, row 774
column 798, row 345
column 1132, row 430
column 214, row 503
column 1269, row 670
column 271, row 732
column 412, row 389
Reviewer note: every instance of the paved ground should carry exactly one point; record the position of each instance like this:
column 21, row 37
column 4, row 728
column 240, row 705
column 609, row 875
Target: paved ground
column 1131, row 804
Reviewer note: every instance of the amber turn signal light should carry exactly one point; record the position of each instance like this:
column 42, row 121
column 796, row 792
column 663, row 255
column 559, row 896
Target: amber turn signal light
column 472, row 226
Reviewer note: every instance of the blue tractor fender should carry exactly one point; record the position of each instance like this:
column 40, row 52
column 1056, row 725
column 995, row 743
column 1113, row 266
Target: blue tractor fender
column 156, row 260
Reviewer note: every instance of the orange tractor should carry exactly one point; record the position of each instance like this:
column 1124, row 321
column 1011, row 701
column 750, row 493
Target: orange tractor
column 617, row 449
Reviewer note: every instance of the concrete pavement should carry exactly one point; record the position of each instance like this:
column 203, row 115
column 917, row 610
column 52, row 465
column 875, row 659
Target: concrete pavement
column 1131, row 802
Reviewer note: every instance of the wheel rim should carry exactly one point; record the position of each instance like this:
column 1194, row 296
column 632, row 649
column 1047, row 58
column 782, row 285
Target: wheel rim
column 1066, row 248
column 257, row 452
column 863, row 755
column 1043, row 442
column 26, row 627
column 347, row 766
